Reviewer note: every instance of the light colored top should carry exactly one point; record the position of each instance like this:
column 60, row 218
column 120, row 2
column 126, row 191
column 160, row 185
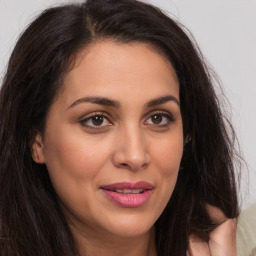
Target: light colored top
column 246, row 232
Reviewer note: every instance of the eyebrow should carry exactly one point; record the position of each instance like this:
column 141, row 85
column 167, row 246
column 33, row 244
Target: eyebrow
column 97, row 100
column 162, row 100
column 116, row 104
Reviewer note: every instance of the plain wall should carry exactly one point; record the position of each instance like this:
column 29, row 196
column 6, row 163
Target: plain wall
column 225, row 31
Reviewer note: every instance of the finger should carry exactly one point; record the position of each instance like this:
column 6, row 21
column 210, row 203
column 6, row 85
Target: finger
column 223, row 239
column 198, row 247
column 216, row 215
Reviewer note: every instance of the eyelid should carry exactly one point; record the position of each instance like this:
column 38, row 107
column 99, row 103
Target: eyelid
column 163, row 113
column 95, row 113
column 160, row 112
column 86, row 117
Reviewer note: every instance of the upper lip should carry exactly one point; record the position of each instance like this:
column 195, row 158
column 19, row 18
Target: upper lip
column 128, row 185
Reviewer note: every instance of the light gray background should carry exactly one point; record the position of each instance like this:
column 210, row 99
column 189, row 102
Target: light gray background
column 226, row 33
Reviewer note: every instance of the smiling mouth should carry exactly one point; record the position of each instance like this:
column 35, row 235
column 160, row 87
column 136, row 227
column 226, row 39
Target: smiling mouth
column 127, row 194
column 128, row 191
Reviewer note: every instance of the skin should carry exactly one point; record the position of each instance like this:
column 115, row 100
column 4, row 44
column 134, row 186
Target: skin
column 129, row 145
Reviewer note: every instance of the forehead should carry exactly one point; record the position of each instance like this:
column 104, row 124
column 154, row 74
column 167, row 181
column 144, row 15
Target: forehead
column 112, row 68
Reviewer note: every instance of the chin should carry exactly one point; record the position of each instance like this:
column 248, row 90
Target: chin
column 130, row 225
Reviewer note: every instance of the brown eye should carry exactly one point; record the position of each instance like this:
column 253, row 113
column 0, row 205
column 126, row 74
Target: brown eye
column 97, row 120
column 160, row 119
column 156, row 119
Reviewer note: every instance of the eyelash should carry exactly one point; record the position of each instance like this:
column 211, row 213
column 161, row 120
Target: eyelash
column 91, row 116
column 163, row 114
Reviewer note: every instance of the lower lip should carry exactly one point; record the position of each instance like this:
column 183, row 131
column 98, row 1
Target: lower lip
column 128, row 200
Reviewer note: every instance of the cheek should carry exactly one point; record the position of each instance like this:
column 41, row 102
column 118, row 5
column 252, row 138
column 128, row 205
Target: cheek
column 74, row 163
column 167, row 156
column 73, row 155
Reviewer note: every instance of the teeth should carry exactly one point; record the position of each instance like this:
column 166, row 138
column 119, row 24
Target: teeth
column 129, row 191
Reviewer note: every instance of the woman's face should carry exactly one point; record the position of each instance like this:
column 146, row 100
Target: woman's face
column 113, row 139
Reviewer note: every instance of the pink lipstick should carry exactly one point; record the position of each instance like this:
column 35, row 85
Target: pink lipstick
column 128, row 194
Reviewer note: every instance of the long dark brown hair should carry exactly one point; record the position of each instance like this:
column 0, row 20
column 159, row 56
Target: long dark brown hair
column 31, row 222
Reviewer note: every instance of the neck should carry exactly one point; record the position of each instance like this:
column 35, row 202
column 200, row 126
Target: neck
column 91, row 244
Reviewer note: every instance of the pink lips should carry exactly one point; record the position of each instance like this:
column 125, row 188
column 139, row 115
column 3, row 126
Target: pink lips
column 128, row 194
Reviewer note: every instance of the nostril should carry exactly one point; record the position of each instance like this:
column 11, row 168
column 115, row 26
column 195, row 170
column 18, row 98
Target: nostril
column 124, row 165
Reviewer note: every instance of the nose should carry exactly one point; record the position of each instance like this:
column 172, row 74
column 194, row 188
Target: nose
column 130, row 150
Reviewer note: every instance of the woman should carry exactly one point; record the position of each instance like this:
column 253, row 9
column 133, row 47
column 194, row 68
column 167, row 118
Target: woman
column 112, row 138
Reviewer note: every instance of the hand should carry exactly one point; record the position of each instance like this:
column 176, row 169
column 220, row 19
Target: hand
column 222, row 239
